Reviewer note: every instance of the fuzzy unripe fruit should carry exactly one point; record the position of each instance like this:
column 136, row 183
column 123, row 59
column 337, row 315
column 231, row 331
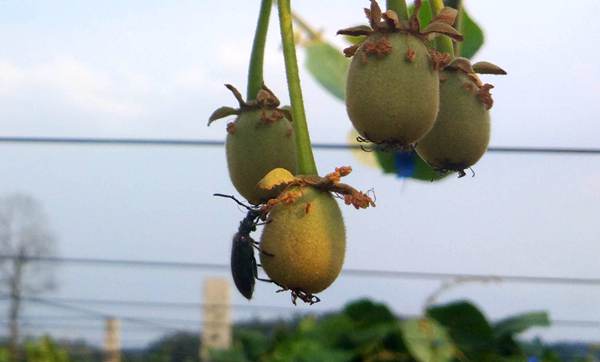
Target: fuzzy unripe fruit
column 462, row 131
column 305, row 242
column 255, row 147
column 392, row 98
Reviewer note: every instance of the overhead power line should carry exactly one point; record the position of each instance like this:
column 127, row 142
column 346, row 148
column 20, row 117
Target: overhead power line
column 218, row 143
column 156, row 304
column 96, row 313
column 369, row 273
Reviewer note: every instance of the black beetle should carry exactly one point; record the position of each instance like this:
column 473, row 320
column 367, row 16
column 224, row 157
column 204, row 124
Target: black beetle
column 244, row 268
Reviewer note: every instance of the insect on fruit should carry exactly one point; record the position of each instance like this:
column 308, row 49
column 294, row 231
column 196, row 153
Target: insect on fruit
column 244, row 268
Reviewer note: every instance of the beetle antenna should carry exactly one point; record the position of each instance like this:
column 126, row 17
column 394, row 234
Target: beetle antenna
column 236, row 200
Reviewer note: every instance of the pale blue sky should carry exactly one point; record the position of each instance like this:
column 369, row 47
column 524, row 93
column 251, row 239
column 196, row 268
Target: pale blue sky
column 147, row 69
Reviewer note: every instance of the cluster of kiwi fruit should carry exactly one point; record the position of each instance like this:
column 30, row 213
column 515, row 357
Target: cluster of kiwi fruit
column 403, row 94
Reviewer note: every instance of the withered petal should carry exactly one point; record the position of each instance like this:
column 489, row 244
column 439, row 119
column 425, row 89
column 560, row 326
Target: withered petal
column 462, row 64
column 447, row 15
column 222, row 112
column 488, row 68
column 356, row 31
column 441, row 28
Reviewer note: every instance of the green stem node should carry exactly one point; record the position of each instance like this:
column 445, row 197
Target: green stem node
column 306, row 161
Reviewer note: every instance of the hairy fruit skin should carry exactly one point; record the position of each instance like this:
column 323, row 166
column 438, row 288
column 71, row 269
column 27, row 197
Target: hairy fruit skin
column 256, row 147
column 462, row 131
column 393, row 98
column 307, row 243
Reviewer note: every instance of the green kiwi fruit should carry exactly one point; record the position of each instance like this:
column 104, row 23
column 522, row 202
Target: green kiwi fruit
column 304, row 242
column 260, row 139
column 393, row 99
column 461, row 133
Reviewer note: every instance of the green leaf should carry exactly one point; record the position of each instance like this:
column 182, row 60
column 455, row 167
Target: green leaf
column 520, row 323
column 424, row 172
column 328, row 66
column 366, row 313
column 467, row 326
column 427, row 341
column 387, row 161
column 473, row 34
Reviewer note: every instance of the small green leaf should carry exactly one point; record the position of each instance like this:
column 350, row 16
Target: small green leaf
column 520, row 323
column 328, row 66
column 427, row 341
column 222, row 113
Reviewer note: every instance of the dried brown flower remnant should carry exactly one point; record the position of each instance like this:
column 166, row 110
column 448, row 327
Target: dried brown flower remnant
column 330, row 183
column 378, row 48
column 485, row 95
column 231, row 127
column 270, row 117
column 411, row 55
column 439, row 60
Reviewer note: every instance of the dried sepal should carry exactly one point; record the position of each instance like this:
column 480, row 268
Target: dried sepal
column 447, row 15
column 356, row 31
column 287, row 112
column 351, row 50
column 437, row 28
column 440, row 60
column 488, row 68
column 485, row 96
column 392, row 19
column 231, row 128
column 330, row 183
column 389, row 22
column 374, row 15
column 222, row 112
column 237, row 95
column 462, row 64
column 266, row 98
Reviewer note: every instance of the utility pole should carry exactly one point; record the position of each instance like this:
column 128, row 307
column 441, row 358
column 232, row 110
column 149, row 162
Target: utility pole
column 112, row 340
column 216, row 317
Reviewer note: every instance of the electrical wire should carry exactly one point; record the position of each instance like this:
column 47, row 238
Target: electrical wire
column 218, row 143
column 369, row 273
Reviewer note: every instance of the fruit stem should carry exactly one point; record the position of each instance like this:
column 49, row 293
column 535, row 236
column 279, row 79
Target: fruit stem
column 399, row 6
column 255, row 70
column 459, row 26
column 444, row 43
column 306, row 160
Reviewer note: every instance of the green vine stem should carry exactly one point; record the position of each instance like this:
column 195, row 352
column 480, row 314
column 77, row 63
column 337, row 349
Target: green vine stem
column 399, row 6
column 306, row 160
column 444, row 43
column 255, row 70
